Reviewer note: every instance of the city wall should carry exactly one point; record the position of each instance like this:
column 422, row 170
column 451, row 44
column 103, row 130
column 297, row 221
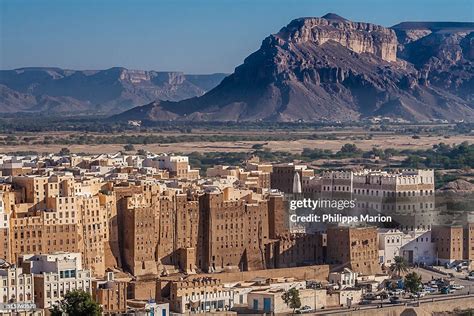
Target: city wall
column 146, row 288
column 317, row 272
column 425, row 308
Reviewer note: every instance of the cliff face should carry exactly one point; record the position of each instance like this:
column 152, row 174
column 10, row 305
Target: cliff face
column 443, row 55
column 332, row 69
column 109, row 91
column 356, row 36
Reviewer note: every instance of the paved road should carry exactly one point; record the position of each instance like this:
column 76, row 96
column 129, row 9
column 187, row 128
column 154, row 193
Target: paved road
column 426, row 300
column 426, row 275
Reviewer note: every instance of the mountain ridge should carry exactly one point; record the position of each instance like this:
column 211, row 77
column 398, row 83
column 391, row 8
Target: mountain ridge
column 334, row 69
column 105, row 91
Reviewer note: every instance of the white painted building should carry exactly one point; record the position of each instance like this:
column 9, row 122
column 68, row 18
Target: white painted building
column 242, row 289
column 390, row 242
column 415, row 246
column 148, row 308
column 346, row 278
column 421, row 250
column 15, row 286
column 5, row 253
column 55, row 275
column 4, row 216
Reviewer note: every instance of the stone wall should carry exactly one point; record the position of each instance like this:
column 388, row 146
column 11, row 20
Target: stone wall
column 142, row 289
column 426, row 308
column 318, row 272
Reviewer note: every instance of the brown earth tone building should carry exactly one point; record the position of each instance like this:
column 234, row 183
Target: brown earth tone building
column 469, row 241
column 453, row 242
column 282, row 176
column 236, row 232
column 111, row 295
column 123, row 213
column 220, row 229
column 196, row 295
column 296, row 249
column 355, row 248
column 49, row 216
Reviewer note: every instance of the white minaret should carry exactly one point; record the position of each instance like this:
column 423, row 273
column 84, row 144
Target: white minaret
column 297, row 183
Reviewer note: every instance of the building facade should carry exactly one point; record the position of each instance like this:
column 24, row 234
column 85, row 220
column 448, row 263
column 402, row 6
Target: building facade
column 55, row 275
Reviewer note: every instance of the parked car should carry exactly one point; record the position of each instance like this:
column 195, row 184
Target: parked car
column 305, row 309
column 395, row 300
column 370, row 296
column 430, row 289
column 396, row 292
column 434, row 283
column 470, row 277
column 418, row 294
column 447, row 290
column 457, row 286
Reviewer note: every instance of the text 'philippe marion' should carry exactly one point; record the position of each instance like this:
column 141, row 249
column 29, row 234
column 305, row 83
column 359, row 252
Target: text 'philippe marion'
column 339, row 218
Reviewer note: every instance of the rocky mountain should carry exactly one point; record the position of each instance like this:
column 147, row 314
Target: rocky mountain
column 61, row 91
column 442, row 53
column 457, row 186
column 330, row 68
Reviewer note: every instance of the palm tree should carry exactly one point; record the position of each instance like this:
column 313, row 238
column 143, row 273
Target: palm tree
column 399, row 266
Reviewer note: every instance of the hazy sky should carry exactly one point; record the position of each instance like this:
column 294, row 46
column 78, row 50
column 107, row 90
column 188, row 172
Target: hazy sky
column 195, row 36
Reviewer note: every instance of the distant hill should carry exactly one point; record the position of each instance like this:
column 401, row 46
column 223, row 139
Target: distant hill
column 63, row 91
column 435, row 26
column 330, row 68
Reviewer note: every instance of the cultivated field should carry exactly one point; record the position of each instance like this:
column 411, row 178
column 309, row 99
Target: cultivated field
column 379, row 140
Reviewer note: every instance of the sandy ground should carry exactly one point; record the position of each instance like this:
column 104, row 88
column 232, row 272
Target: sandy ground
column 380, row 141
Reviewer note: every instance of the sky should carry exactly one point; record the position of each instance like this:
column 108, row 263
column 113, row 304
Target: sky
column 194, row 36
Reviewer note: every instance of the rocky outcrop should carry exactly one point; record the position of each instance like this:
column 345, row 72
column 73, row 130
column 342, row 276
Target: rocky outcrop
column 457, row 186
column 329, row 68
column 13, row 101
column 443, row 54
column 61, row 91
column 356, row 36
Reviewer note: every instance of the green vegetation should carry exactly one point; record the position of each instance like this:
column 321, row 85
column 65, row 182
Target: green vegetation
column 64, row 152
column 129, row 147
column 461, row 156
column 76, row 303
column 145, row 139
column 209, row 159
column 399, row 266
column 442, row 179
column 443, row 156
column 292, row 298
column 413, row 282
column 37, row 122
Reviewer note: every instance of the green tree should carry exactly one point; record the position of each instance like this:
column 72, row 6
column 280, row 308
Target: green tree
column 64, row 151
column 129, row 147
column 292, row 298
column 412, row 161
column 349, row 151
column 76, row 303
column 350, row 148
column 141, row 152
column 413, row 282
column 399, row 266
